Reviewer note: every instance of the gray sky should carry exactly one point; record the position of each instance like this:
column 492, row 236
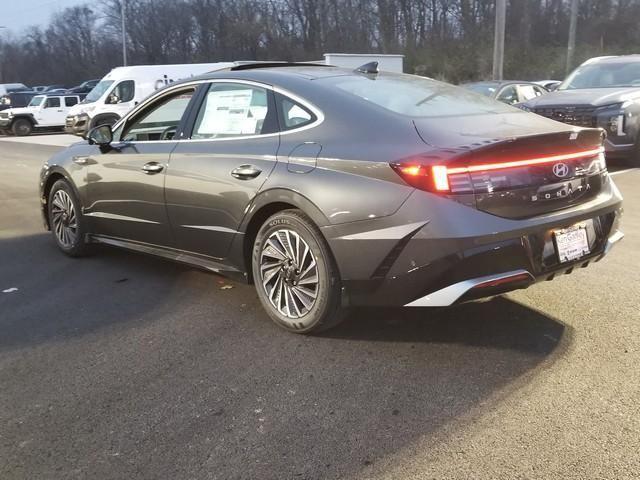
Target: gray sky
column 18, row 14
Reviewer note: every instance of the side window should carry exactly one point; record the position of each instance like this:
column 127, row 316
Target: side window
column 160, row 120
column 53, row 102
column 122, row 92
column 292, row 114
column 540, row 90
column 527, row 92
column 234, row 110
column 508, row 95
column 70, row 101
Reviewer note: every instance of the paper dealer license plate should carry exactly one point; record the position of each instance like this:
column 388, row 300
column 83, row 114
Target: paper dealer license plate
column 572, row 243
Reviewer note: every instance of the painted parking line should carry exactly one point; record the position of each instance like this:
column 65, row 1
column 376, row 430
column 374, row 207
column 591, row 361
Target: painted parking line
column 624, row 171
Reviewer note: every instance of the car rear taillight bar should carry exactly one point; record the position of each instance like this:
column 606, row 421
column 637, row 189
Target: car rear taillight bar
column 435, row 178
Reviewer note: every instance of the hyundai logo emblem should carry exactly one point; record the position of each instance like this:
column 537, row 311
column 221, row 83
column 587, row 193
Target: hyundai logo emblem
column 561, row 170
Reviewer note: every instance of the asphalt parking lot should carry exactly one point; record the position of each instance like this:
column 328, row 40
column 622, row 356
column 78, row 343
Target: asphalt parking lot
column 122, row 366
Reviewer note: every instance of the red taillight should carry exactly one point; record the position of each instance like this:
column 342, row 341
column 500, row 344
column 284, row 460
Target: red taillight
column 435, row 178
column 432, row 178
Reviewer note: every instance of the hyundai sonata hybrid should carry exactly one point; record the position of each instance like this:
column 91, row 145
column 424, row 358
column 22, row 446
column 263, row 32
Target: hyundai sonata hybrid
column 330, row 188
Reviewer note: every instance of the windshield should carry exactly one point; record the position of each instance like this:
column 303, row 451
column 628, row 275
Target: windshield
column 487, row 89
column 36, row 101
column 602, row 75
column 415, row 96
column 98, row 91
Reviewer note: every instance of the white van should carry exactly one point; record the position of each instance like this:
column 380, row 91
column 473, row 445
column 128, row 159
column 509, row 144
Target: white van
column 123, row 88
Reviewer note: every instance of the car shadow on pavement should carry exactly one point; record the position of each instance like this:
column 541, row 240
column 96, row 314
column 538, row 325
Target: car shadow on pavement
column 493, row 323
column 149, row 369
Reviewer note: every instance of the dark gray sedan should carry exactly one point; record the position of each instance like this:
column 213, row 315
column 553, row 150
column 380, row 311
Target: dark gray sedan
column 332, row 188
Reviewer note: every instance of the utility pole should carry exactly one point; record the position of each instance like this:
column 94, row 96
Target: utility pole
column 572, row 35
column 124, row 34
column 1, row 70
column 498, row 42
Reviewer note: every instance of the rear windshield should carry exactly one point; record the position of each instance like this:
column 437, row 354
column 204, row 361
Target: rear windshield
column 415, row 96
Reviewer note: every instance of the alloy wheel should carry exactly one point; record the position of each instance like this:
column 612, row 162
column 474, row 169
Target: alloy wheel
column 289, row 273
column 65, row 223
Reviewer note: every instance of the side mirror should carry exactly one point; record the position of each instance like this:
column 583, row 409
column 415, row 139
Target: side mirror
column 101, row 136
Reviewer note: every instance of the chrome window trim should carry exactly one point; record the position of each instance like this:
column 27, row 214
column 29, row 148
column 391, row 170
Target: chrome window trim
column 315, row 110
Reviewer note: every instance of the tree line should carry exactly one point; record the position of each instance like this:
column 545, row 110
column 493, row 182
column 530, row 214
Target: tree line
column 446, row 39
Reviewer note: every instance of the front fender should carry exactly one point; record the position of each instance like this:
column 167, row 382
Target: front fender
column 62, row 165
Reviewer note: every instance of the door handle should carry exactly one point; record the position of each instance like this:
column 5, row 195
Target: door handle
column 245, row 172
column 152, row 168
column 81, row 160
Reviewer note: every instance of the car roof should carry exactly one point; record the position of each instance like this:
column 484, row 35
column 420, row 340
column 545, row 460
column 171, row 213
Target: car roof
column 632, row 58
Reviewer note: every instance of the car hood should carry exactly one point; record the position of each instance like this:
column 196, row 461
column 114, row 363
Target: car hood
column 19, row 110
column 470, row 132
column 594, row 97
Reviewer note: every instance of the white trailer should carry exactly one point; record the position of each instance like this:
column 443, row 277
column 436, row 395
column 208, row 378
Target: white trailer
column 386, row 62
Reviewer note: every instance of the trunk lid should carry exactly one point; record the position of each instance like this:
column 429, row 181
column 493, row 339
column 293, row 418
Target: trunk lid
column 518, row 165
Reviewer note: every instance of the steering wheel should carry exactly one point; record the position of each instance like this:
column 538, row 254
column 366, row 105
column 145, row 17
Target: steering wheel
column 169, row 133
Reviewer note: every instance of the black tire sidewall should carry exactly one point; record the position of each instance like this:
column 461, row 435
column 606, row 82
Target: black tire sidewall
column 16, row 124
column 328, row 282
column 79, row 247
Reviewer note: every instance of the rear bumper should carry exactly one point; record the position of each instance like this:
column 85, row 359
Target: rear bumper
column 500, row 283
column 458, row 253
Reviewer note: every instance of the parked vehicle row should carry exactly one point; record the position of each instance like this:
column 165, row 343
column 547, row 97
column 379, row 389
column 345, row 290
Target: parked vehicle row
column 602, row 92
column 123, row 88
column 43, row 113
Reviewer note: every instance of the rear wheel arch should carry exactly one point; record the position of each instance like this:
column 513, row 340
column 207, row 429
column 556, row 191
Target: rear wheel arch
column 264, row 206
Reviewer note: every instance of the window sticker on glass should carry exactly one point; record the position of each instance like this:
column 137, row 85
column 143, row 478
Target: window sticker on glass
column 231, row 113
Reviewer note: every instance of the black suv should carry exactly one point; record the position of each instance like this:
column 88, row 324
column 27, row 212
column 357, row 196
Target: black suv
column 14, row 99
column 602, row 92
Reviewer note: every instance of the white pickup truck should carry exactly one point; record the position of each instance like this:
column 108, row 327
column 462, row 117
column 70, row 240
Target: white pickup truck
column 44, row 112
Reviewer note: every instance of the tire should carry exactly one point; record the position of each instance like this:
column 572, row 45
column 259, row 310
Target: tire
column 67, row 224
column 284, row 252
column 21, row 127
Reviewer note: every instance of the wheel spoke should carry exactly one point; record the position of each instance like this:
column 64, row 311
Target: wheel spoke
column 313, row 280
column 268, row 274
column 272, row 250
column 306, row 302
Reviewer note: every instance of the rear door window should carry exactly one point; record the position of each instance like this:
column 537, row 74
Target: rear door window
column 70, row 101
column 234, row 110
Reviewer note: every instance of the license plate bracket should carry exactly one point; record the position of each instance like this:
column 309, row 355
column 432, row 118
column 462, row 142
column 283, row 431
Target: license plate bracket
column 572, row 243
